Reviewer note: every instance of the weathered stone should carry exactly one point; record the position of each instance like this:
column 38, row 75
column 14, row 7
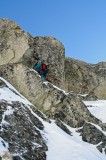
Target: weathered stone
column 85, row 78
column 5, row 156
column 51, row 51
column 102, row 147
column 21, row 132
column 14, row 42
column 50, row 100
column 91, row 134
column 17, row 46
column 63, row 127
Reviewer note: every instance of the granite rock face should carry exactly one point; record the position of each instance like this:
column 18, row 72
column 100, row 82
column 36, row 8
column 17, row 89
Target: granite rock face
column 52, row 101
column 51, row 52
column 13, row 42
column 17, row 46
column 84, row 78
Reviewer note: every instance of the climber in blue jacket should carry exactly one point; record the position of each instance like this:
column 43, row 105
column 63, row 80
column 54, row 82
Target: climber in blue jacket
column 41, row 68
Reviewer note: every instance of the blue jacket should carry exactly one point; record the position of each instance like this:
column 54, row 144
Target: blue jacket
column 38, row 66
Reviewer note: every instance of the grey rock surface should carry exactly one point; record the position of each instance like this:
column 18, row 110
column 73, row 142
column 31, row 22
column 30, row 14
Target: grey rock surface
column 85, row 78
column 91, row 134
column 52, row 101
column 17, row 46
column 13, row 42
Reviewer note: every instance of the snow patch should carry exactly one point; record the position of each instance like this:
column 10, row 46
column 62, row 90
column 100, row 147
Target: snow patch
column 3, row 146
column 9, row 94
column 97, row 108
column 9, row 111
column 61, row 146
column 46, row 83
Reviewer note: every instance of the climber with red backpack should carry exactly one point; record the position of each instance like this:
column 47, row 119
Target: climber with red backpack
column 41, row 68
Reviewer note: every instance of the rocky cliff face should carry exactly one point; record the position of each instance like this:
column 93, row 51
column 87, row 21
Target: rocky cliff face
column 52, row 101
column 82, row 77
column 17, row 46
column 19, row 51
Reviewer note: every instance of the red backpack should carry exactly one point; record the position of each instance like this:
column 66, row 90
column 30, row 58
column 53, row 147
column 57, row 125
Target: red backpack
column 44, row 66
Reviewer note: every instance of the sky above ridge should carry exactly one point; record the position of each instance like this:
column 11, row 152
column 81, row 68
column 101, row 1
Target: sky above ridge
column 79, row 24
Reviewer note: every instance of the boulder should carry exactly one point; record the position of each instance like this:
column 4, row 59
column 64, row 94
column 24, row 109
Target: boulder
column 91, row 134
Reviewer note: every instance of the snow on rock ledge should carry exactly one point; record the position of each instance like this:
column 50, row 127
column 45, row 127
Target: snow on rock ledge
column 20, row 130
